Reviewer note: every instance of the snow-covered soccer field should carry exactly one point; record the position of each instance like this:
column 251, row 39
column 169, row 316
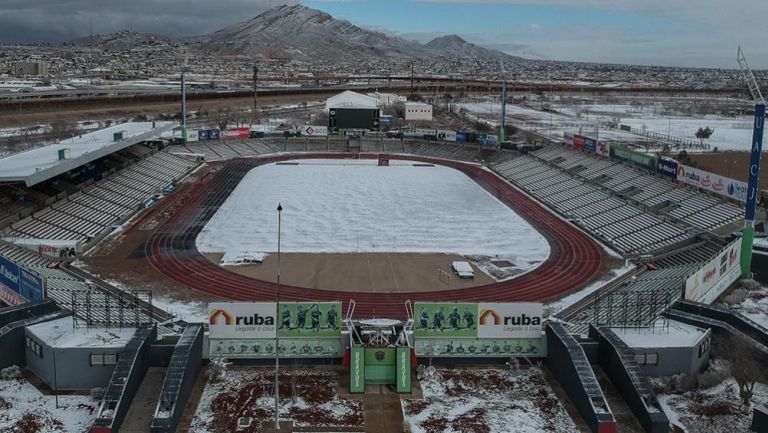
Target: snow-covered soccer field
column 348, row 206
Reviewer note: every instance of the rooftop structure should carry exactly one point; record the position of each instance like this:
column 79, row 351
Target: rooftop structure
column 61, row 334
column 350, row 99
column 38, row 165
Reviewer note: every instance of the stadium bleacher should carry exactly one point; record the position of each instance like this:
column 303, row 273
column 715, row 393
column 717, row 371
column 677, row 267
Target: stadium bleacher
column 687, row 205
column 633, row 211
column 86, row 214
column 638, row 301
column 87, row 301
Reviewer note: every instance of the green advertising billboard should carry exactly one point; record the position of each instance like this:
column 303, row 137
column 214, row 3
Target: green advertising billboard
column 633, row 157
column 265, row 348
column 357, row 370
column 309, row 319
column 482, row 348
column 447, row 320
column 403, row 369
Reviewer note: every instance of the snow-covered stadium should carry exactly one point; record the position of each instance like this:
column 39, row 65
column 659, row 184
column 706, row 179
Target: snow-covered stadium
column 575, row 256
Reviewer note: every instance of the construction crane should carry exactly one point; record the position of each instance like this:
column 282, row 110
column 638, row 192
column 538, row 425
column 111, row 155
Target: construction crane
column 749, row 77
column 753, row 179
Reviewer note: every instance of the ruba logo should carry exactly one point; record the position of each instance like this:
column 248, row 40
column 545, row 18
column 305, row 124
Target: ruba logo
column 220, row 313
column 491, row 318
column 254, row 320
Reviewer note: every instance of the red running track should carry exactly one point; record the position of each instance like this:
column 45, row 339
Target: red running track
column 575, row 259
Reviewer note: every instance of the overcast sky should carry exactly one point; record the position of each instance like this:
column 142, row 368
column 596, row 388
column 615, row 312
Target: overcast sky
column 660, row 32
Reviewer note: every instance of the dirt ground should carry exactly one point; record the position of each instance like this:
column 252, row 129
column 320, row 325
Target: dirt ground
column 122, row 258
column 364, row 272
column 731, row 164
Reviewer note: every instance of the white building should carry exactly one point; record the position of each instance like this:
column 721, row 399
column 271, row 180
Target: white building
column 350, row 99
column 387, row 99
column 418, row 111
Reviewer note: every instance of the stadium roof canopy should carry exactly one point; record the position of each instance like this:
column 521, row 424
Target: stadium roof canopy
column 350, row 99
column 38, row 165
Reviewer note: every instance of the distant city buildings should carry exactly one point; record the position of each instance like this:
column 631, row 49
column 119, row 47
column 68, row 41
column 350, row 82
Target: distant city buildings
column 418, row 111
column 26, row 68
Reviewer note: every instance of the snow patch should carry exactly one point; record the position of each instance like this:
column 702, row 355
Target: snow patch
column 345, row 206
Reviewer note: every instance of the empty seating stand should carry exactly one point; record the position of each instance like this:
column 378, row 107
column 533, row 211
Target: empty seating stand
column 88, row 214
column 627, row 227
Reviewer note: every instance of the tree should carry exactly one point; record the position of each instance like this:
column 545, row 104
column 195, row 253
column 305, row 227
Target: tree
column 61, row 129
column 217, row 369
column 223, row 116
column 747, row 365
column 704, row 134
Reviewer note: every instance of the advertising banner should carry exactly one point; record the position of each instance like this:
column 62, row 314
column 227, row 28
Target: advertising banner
column 62, row 249
column 21, row 281
column 481, row 348
column 484, row 320
column 636, row 158
column 578, row 141
column 754, row 162
column 567, row 138
column 214, row 134
column 9, row 297
column 314, row 130
column 721, row 185
column 235, row 133
column 357, row 370
column 590, row 144
column 203, row 134
column 403, row 369
column 667, row 167
column 193, row 135
column 461, row 136
column 449, row 320
column 709, row 282
column 242, row 320
column 265, row 348
column 510, row 320
column 603, row 149
column 309, row 319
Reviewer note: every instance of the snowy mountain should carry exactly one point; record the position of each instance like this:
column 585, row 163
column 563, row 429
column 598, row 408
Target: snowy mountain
column 123, row 40
column 455, row 46
column 302, row 33
column 299, row 32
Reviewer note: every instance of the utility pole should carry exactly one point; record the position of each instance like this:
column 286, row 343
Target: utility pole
column 255, row 92
column 412, row 78
column 277, row 320
column 184, row 70
column 503, row 124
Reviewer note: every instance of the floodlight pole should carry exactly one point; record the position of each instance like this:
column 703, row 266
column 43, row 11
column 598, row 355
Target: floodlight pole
column 277, row 320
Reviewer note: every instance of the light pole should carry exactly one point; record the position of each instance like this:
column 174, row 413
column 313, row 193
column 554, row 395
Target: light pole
column 277, row 320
